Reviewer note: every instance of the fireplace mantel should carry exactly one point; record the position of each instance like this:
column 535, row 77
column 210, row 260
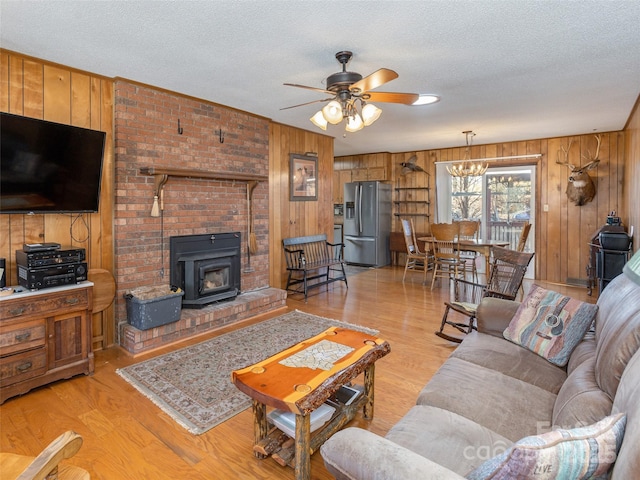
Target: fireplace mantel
column 161, row 175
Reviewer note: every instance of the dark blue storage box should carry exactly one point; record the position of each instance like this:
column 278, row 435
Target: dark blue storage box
column 149, row 307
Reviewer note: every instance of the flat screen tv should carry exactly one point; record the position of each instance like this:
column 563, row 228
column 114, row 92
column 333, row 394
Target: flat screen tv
column 48, row 167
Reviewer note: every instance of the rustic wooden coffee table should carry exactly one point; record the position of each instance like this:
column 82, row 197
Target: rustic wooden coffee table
column 302, row 378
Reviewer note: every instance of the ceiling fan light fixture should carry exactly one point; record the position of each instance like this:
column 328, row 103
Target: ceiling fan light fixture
column 354, row 123
column 370, row 113
column 332, row 112
column 319, row 121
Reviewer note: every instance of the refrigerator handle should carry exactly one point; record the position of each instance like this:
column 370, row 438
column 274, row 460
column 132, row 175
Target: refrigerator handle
column 359, row 208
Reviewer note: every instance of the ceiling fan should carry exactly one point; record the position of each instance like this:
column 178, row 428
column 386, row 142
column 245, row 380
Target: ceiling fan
column 346, row 88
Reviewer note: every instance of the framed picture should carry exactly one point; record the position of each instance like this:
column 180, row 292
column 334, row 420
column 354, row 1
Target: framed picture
column 303, row 177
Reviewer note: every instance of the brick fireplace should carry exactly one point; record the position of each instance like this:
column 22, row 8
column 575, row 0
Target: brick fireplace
column 146, row 136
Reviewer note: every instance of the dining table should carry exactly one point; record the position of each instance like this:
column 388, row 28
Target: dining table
column 483, row 247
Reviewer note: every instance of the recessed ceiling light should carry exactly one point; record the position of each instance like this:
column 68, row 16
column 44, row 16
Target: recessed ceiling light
column 426, row 99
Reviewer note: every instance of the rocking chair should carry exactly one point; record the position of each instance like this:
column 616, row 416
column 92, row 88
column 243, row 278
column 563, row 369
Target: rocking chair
column 507, row 272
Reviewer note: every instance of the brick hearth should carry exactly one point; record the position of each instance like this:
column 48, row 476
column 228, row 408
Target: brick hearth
column 196, row 322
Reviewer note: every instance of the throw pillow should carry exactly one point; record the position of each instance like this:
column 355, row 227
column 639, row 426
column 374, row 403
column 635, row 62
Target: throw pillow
column 550, row 324
column 580, row 453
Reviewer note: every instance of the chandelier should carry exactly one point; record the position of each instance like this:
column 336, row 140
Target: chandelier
column 468, row 167
column 335, row 111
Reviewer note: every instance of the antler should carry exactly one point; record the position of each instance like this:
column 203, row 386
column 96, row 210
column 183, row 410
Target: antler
column 593, row 158
column 565, row 151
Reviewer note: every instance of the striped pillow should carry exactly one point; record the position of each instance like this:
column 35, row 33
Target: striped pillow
column 550, row 324
column 580, row 453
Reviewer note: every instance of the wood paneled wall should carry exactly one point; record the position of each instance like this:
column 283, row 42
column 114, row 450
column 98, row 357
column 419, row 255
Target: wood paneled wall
column 47, row 91
column 631, row 188
column 297, row 218
column 564, row 231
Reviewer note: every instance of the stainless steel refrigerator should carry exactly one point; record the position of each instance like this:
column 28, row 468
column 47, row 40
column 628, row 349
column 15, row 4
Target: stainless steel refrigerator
column 367, row 223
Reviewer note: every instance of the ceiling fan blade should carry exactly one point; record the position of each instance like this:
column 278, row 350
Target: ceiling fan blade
column 377, row 78
column 308, row 88
column 393, row 97
column 308, row 103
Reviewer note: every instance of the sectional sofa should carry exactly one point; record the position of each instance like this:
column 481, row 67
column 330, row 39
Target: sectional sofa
column 499, row 409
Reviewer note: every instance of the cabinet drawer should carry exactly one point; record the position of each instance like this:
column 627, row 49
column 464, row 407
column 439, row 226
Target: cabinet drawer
column 48, row 304
column 22, row 366
column 22, row 336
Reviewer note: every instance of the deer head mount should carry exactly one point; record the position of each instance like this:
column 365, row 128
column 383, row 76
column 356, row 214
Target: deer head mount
column 580, row 188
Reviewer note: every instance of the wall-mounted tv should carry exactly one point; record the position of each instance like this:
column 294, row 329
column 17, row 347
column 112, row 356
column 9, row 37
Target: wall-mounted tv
column 48, row 167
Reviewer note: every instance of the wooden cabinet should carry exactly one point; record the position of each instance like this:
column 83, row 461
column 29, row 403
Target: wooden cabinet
column 44, row 336
column 360, row 174
column 377, row 173
column 369, row 174
column 340, row 177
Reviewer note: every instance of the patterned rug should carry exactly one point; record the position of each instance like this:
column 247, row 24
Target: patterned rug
column 193, row 384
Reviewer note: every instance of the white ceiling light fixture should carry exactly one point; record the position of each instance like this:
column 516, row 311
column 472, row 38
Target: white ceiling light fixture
column 319, row 121
column 426, row 99
column 332, row 112
column 354, row 123
column 466, row 167
column 370, row 113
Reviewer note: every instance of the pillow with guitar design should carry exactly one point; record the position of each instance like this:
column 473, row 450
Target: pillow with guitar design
column 550, row 324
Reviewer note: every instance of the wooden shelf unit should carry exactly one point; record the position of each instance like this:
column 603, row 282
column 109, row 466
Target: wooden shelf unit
column 400, row 202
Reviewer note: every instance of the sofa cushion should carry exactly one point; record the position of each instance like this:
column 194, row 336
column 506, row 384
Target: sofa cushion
column 550, row 324
column 580, row 401
column 511, row 359
column 628, row 401
column 581, row 453
column 447, row 438
column 584, row 350
column 503, row 404
column 617, row 331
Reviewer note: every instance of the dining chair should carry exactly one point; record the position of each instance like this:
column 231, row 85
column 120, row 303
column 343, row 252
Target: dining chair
column 416, row 259
column 446, row 256
column 507, row 273
column 469, row 230
column 522, row 242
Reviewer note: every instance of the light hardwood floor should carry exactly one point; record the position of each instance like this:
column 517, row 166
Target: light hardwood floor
column 127, row 437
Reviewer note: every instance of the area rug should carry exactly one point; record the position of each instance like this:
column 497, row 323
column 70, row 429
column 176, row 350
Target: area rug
column 193, row 385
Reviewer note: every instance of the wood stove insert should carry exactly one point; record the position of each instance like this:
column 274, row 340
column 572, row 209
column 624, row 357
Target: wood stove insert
column 206, row 267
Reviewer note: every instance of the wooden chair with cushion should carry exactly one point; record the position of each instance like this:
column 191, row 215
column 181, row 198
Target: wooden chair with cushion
column 416, row 260
column 446, row 256
column 507, row 272
column 469, row 230
column 46, row 465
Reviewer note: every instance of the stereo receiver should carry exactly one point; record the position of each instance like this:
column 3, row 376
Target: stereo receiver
column 52, row 276
column 49, row 257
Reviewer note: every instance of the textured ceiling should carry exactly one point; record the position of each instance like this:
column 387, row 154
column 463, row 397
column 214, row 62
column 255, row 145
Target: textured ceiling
column 508, row 70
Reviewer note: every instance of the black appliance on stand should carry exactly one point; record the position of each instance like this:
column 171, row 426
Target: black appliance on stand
column 609, row 250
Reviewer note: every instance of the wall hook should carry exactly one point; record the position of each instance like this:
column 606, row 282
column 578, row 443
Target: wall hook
column 180, row 129
column 220, row 135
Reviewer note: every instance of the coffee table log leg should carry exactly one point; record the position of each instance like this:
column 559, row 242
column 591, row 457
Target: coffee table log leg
column 260, row 424
column 367, row 410
column 303, row 454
